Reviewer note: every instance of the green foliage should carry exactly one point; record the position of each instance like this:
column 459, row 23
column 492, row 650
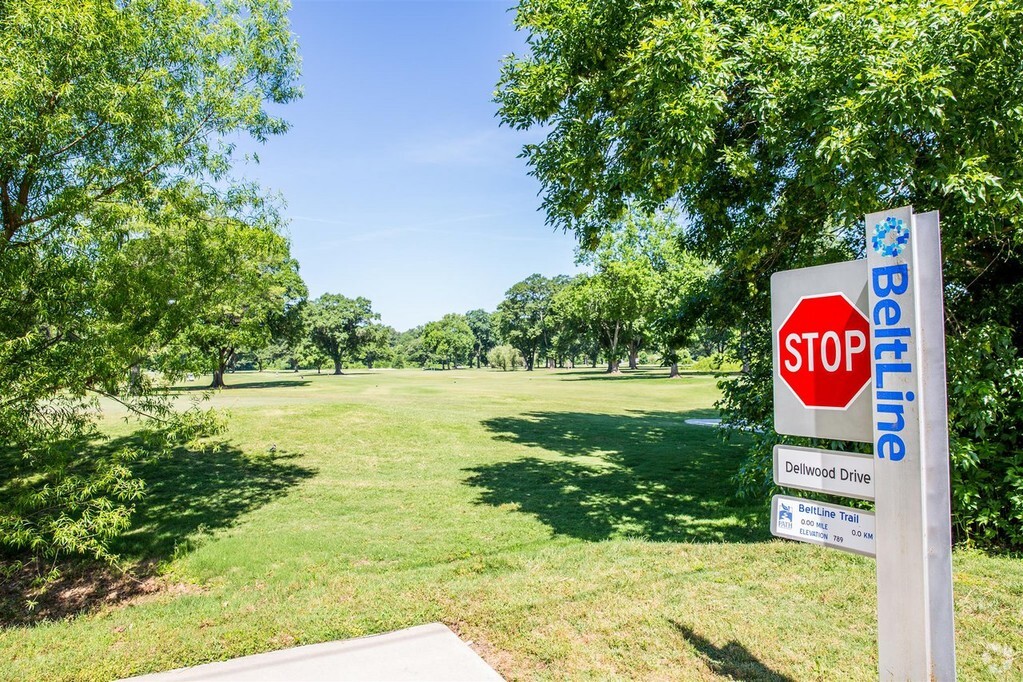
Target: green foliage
column 337, row 326
column 524, row 316
column 449, row 340
column 484, row 333
column 774, row 127
column 715, row 363
column 409, row 349
column 505, row 358
column 378, row 344
column 986, row 380
column 251, row 293
column 114, row 183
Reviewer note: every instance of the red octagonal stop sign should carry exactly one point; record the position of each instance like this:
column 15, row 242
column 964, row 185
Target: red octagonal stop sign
column 825, row 351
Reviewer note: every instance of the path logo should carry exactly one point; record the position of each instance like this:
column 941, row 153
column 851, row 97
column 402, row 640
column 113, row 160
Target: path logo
column 890, row 237
column 784, row 515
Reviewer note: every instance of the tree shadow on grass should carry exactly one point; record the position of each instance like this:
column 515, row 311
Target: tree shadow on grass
column 732, row 660
column 630, row 374
column 642, row 474
column 189, row 495
column 276, row 383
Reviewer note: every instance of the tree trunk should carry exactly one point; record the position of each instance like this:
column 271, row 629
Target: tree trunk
column 223, row 356
column 135, row 380
column 633, row 355
column 337, row 366
column 674, row 371
column 613, row 366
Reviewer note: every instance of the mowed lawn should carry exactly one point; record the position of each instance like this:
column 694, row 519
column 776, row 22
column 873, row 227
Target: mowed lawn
column 570, row 525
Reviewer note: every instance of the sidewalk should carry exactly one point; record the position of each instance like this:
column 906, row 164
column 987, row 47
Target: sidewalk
column 425, row 652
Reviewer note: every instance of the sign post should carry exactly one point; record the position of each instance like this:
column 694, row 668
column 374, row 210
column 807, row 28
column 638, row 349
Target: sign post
column 910, row 429
column 859, row 355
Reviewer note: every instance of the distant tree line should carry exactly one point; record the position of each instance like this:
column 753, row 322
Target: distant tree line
column 633, row 303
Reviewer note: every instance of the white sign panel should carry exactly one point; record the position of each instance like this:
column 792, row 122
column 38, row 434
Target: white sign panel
column 821, row 352
column 848, row 474
column 819, row 523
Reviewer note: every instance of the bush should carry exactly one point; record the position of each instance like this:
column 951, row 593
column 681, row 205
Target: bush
column 715, row 363
column 505, row 358
column 985, row 406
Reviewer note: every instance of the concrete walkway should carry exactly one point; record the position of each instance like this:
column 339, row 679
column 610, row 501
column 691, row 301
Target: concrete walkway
column 704, row 422
column 426, row 652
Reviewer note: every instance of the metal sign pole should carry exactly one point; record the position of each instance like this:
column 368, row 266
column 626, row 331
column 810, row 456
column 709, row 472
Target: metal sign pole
column 910, row 425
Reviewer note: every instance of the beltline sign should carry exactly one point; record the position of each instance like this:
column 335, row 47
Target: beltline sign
column 910, row 428
column 859, row 355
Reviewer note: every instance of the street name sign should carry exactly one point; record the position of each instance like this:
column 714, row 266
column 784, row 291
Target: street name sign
column 848, row 474
column 821, row 339
column 819, row 523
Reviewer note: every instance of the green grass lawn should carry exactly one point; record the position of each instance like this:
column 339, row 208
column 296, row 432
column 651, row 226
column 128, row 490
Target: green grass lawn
column 570, row 525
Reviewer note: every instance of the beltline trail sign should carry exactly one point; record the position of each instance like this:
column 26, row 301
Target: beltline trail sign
column 859, row 355
column 818, row 523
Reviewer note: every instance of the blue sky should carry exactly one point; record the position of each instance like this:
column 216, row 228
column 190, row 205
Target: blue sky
column 401, row 187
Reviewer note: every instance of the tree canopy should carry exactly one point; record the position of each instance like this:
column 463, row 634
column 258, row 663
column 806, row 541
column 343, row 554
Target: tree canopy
column 449, row 340
column 114, row 150
column 775, row 127
column 337, row 326
column 523, row 317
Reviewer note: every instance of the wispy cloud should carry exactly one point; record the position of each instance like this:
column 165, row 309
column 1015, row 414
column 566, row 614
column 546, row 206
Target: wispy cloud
column 473, row 149
column 367, row 233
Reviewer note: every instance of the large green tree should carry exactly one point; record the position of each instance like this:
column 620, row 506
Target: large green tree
column 253, row 295
column 611, row 300
column 523, row 317
column 113, row 115
column 449, row 340
column 378, row 344
column 337, row 326
column 484, row 333
column 776, row 126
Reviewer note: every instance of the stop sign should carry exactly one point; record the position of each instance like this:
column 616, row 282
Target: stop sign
column 825, row 351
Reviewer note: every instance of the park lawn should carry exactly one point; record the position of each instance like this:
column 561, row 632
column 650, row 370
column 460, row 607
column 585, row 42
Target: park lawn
column 569, row 524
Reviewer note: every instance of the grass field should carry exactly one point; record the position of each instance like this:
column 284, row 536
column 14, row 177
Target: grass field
column 569, row 524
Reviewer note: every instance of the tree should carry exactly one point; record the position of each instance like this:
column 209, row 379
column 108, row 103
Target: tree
column 522, row 317
column 409, row 349
column 337, row 326
column 110, row 113
column 378, row 342
column 611, row 300
column 775, row 129
column 484, row 334
column 449, row 340
column 505, row 358
column 307, row 354
column 253, row 291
